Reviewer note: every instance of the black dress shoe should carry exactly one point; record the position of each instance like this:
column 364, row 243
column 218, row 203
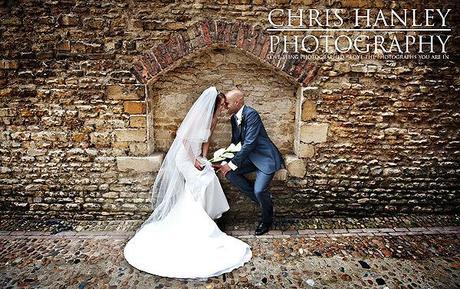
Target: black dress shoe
column 263, row 228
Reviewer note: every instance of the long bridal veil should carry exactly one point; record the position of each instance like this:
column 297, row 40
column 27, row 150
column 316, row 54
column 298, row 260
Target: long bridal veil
column 194, row 130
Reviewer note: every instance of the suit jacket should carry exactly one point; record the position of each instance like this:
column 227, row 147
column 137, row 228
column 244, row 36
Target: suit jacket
column 255, row 143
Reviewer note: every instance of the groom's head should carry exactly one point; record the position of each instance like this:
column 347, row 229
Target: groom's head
column 234, row 101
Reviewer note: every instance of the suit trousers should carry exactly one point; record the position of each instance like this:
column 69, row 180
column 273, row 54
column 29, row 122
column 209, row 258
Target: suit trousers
column 257, row 190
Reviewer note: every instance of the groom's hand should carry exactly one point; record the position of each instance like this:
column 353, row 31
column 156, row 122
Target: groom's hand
column 216, row 166
column 224, row 169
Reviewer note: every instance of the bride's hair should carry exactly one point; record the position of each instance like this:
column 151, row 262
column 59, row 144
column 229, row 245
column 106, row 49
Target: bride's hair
column 219, row 99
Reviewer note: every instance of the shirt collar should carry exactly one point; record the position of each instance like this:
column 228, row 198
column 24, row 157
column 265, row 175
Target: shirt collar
column 238, row 114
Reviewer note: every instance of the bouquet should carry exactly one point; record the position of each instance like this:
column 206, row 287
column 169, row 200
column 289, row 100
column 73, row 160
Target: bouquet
column 225, row 153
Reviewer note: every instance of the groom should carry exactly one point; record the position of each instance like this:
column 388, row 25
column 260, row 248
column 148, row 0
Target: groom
column 258, row 154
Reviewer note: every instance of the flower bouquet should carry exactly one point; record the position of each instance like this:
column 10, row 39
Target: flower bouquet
column 225, row 153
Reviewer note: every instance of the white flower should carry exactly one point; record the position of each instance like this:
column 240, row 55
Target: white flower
column 234, row 148
column 225, row 153
column 219, row 153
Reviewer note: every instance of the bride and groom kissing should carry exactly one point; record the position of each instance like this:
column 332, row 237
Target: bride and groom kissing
column 180, row 238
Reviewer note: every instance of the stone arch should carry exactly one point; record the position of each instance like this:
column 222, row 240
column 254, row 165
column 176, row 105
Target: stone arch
column 171, row 95
column 210, row 33
column 251, row 40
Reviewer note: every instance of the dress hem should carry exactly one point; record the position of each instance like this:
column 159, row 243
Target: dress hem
column 247, row 258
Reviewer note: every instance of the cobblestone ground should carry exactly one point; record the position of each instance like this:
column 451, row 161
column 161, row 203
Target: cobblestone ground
column 407, row 256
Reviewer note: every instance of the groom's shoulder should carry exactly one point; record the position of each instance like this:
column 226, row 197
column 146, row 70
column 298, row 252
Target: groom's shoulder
column 250, row 109
column 250, row 112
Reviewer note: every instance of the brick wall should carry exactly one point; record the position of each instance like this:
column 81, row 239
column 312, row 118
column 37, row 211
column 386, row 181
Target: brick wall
column 76, row 77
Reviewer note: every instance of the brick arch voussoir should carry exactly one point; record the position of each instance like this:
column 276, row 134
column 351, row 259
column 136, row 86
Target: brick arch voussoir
column 214, row 33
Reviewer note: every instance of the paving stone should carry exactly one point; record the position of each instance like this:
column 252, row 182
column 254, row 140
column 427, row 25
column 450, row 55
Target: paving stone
column 340, row 230
column 306, row 232
column 66, row 233
column 365, row 234
column 380, row 234
column 290, row 232
column 355, row 230
column 399, row 233
column 400, row 229
column 275, row 232
column 324, row 231
column 431, row 232
column 386, row 230
column 370, row 230
column 418, row 229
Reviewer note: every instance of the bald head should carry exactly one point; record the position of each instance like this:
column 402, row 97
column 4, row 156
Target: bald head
column 234, row 100
column 235, row 93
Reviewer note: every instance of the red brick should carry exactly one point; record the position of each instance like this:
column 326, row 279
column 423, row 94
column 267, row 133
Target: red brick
column 311, row 73
column 299, row 68
column 150, row 62
column 242, row 32
column 251, row 39
column 220, row 31
column 265, row 47
column 234, row 30
column 140, row 72
column 205, row 33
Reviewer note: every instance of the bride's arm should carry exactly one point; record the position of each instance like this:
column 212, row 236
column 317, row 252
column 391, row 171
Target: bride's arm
column 189, row 155
column 205, row 147
column 188, row 150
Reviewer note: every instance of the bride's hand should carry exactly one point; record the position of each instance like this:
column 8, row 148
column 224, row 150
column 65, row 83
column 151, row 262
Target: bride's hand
column 198, row 165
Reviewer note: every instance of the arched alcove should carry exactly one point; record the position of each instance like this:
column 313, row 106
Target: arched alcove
column 226, row 55
column 171, row 95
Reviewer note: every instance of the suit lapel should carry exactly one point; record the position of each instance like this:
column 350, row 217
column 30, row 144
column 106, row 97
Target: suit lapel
column 243, row 124
column 236, row 132
column 239, row 131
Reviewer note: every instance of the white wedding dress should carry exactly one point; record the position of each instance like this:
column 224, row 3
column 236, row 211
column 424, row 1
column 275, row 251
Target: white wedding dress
column 187, row 243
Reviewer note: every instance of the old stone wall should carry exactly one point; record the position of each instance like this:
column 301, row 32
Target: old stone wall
column 273, row 96
column 78, row 126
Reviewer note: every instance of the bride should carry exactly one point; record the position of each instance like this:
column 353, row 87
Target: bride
column 180, row 238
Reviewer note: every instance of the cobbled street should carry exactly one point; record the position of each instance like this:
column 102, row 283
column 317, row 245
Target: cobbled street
column 380, row 257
